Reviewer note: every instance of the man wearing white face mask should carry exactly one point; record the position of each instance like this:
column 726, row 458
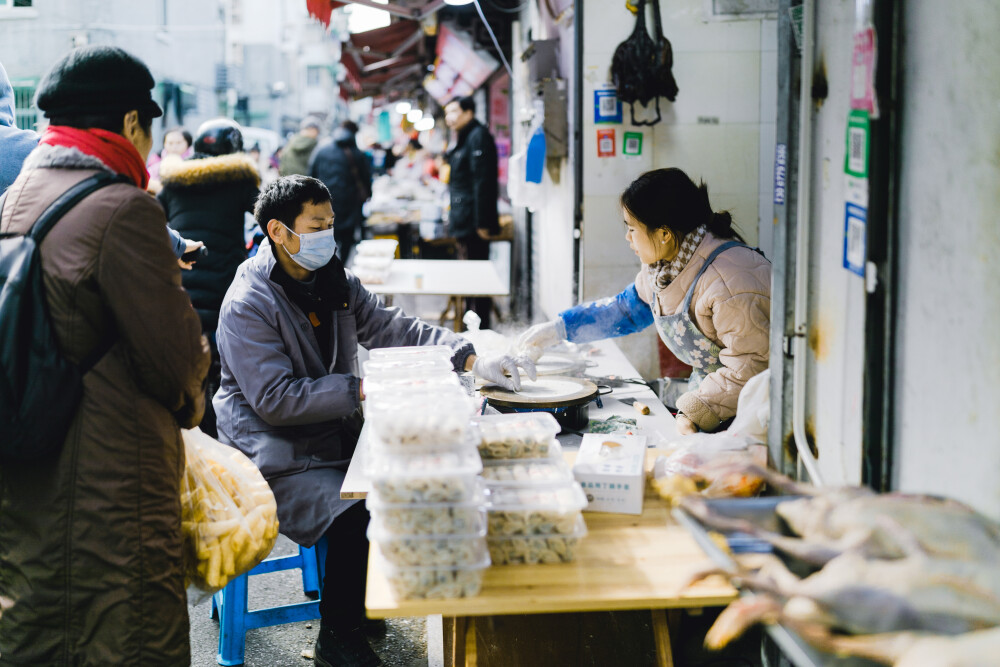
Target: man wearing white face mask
column 290, row 395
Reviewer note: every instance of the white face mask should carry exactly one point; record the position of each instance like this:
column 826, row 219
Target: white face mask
column 316, row 249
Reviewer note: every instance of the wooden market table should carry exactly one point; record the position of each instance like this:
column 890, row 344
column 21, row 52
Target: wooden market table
column 626, row 562
column 455, row 279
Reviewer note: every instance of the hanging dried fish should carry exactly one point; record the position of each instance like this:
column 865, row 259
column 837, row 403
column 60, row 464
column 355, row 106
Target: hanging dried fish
column 632, row 67
column 666, row 86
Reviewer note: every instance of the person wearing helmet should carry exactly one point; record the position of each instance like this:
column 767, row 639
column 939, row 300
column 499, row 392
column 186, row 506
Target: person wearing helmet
column 345, row 172
column 206, row 198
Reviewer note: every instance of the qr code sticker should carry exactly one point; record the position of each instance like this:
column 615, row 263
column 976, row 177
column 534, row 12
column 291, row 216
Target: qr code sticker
column 855, row 241
column 632, row 145
column 609, row 105
column 607, row 145
column 856, row 157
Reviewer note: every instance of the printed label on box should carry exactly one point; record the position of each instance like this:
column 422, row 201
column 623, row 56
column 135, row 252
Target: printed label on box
column 610, row 468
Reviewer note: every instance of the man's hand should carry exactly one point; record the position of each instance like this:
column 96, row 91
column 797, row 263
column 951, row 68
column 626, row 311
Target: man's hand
column 502, row 370
column 189, row 245
column 533, row 342
column 684, row 425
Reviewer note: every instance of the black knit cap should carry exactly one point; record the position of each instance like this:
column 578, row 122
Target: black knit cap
column 97, row 80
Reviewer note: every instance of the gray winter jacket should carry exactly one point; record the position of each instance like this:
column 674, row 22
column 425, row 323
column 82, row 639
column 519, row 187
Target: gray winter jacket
column 15, row 144
column 281, row 405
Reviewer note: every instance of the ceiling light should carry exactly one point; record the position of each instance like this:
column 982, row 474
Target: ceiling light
column 424, row 124
column 413, row 115
column 458, row 2
column 402, row 108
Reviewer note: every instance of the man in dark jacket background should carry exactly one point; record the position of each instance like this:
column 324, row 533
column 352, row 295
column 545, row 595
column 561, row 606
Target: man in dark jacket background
column 473, row 187
column 345, row 171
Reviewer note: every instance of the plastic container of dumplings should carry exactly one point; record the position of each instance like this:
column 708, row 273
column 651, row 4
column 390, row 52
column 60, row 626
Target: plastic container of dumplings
column 535, row 510
column 528, row 473
column 427, row 550
column 414, row 383
column 377, row 247
column 465, row 518
column 514, row 436
column 371, row 262
column 422, row 419
column 434, row 582
column 438, row 477
column 539, row 548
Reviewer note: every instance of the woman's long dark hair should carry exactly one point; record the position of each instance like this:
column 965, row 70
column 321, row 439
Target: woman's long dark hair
column 669, row 199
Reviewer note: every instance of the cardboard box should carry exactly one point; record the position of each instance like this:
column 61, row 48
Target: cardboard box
column 610, row 468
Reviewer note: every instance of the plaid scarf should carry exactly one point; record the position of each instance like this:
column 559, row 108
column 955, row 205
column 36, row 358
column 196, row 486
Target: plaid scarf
column 663, row 272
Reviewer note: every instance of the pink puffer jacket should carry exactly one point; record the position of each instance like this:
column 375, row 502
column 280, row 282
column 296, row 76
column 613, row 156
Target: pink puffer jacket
column 732, row 307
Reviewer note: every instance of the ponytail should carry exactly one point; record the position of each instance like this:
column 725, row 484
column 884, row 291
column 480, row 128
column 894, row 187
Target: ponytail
column 719, row 223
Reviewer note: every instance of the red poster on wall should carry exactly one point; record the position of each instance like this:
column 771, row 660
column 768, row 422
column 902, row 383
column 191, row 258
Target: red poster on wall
column 606, row 143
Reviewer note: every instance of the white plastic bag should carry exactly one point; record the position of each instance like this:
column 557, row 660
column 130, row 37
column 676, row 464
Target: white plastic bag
column 753, row 409
column 228, row 514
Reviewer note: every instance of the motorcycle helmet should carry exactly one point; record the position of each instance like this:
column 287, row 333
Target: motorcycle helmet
column 220, row 136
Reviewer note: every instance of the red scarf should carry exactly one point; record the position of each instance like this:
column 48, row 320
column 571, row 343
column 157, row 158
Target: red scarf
column 114, row 150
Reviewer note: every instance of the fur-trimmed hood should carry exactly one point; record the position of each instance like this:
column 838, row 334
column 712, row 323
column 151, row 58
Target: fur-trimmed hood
column 215, row 170
column 47, row 156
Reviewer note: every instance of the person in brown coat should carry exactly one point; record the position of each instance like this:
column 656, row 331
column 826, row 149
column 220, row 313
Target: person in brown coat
column 91, row 564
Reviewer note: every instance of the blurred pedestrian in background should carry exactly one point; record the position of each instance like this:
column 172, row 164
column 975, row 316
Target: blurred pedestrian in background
column 205, row 199
column 296, row 153
column 345, row 171
column 91, row 552
column 176, row 142
column 473, row 187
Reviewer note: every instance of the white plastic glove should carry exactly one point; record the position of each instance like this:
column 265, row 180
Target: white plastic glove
column 532, row 343
column 502, row 370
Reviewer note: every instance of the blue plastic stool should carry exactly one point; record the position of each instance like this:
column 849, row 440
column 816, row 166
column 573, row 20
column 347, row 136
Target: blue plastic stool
column 230, row 604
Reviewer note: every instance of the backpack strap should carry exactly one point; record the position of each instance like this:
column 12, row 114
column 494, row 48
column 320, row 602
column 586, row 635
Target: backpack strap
column 51, row 216
column 69, row 199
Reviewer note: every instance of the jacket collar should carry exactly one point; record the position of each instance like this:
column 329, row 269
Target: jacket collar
column 233, row 168
column 46, row 156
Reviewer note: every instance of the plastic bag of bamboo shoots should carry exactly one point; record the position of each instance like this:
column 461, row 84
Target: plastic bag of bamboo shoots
column 229, row 517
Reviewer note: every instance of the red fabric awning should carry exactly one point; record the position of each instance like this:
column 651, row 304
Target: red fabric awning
column 394, row 54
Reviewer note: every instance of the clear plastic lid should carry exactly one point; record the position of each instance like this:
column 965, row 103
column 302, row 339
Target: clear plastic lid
column 563, row 498
column 377, row 247
column 413, row 382
column 527, row 472
column 437, row 551
column 457, row 463
column 414, row 366
column 420, row 441
column 523, row 428
column 376, row 262
column 426, row 419
column 380, row 532
column 430, row 518
column 411, row 352
column 476, row 501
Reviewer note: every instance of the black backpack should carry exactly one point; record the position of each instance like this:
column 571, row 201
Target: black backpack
column 39, row 388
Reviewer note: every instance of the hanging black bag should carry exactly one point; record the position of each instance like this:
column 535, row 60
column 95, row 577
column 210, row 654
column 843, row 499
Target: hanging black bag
column 632, row 67
column 39, row 388
column 665, row 84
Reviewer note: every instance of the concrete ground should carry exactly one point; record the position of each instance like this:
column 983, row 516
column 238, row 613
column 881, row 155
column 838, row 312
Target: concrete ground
column 404, row 644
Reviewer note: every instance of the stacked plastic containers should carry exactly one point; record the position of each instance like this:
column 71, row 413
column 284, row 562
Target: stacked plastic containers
column 534, row 506
column 427, row 499
column 373, row 260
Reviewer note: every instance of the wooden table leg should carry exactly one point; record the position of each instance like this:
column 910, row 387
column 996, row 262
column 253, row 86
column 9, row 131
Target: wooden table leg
column 455, row 628
column 458, row 314
column 661, row 634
